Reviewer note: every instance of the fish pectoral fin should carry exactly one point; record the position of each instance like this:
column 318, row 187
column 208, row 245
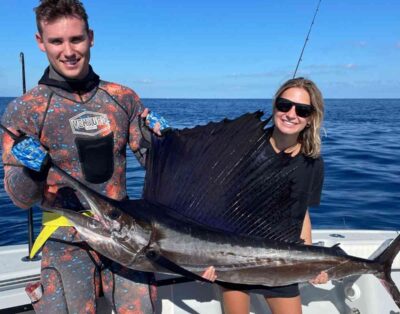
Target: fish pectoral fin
column 161, row 261
column 78, row 219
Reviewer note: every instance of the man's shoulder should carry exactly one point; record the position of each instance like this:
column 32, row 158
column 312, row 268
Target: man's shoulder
column 27, row 108
column 35, row 96
column 118, row 91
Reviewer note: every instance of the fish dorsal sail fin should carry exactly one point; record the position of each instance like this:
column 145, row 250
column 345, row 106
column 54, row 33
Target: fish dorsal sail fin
column 220, row 175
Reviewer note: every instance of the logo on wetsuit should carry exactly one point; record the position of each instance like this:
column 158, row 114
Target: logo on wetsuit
column 89, row 123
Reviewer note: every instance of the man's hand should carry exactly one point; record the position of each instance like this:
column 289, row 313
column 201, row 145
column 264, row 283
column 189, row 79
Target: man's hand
column 155, row 122
column 33, row 156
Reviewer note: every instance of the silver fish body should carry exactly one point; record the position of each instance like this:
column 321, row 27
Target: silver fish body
column 127, row 231
column 252, row 260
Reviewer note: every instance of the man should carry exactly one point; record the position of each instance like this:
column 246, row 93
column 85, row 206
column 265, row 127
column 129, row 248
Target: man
column 84, row 124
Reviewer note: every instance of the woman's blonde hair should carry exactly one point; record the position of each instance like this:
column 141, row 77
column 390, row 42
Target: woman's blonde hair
column 310, row 137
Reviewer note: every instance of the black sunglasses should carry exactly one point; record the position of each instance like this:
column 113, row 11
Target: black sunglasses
column 302, row 110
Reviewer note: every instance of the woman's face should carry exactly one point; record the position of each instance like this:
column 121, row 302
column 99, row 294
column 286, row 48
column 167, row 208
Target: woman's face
column 289, row 123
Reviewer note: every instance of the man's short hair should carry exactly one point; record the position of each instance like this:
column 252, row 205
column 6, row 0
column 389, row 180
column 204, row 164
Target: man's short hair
column 51, row 10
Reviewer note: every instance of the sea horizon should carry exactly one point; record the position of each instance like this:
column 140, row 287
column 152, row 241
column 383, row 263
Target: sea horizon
column 360, row 149
column 217, row 98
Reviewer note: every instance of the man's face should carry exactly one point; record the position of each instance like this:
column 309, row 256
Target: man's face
column 67, row 43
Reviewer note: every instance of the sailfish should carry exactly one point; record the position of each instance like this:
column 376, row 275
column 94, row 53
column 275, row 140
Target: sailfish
column 213, row 197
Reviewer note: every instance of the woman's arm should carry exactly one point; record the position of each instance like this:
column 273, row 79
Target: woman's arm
column 306, row 229
column 307, row 237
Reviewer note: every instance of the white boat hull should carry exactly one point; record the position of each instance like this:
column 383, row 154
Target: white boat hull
column 362, row 294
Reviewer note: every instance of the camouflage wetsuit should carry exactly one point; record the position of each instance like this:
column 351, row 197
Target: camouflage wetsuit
column 86, row 126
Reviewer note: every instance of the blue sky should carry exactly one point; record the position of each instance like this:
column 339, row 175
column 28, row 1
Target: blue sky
column 223, row 49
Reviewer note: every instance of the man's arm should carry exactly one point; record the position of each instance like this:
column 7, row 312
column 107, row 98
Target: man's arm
column 140, row 130
column 139, row 136
column 22, row 189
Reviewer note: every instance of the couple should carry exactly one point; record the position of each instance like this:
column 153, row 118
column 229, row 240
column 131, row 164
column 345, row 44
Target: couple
column 79, row 118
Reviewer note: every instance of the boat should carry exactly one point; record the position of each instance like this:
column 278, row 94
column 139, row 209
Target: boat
column 353, row 295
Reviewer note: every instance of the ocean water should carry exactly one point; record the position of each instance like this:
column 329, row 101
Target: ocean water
column 361, row 148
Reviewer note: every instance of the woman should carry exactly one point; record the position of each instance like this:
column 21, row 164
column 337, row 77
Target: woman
column 297, row 116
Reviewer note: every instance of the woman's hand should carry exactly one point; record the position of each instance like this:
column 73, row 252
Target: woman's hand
column 209, row 274
column 320, row 279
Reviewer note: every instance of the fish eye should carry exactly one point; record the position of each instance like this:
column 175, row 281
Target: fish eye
column 115, row 214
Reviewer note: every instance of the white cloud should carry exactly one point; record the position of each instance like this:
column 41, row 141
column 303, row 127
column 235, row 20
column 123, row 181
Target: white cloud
column 250, row 75
column 275, row 73
column 328, row 68
column 143, row 81
column 350, row 66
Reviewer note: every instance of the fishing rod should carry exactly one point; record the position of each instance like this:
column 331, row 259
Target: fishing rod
column 22, row 59
column 13, row 136
column 305, row 42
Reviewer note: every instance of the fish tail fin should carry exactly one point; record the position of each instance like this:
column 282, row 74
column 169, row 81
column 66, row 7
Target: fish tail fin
column 385, row 259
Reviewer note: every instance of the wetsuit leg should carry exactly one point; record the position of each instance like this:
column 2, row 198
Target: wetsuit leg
column 129, row 291
column 69, row 278
column 53, row 298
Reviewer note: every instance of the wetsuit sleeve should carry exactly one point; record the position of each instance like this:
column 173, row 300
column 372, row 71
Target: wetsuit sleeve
column 23, row 191
column 317, row 183
column 139, row 134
